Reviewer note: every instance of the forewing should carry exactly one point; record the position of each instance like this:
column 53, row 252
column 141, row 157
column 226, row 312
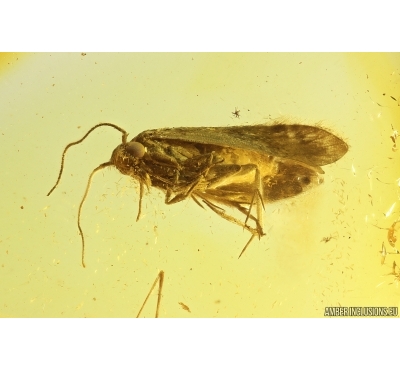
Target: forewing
column 308, row 144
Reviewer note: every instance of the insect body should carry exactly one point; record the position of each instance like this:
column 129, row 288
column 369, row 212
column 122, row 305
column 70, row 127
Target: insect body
column 242, row 167
column 236, row 113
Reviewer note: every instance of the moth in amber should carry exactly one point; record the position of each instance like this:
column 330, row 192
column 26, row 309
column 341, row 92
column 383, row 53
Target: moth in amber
column 239, row 167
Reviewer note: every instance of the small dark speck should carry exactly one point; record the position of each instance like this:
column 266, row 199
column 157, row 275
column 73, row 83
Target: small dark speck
column 83, row 54
column 22, row 207
column 94, row 298
column 384, row 94
column 236, row 113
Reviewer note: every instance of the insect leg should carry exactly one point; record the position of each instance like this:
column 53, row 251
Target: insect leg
column 245, row 247
column 246, row 212
column 160, row 279
column 180, row 194
column 258, row 201
column 221, row 212
column 240, row 208
column 197, row 202
column 184, row 191
column 237, row 185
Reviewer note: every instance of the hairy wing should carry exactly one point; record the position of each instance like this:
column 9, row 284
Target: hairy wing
column 308, row 144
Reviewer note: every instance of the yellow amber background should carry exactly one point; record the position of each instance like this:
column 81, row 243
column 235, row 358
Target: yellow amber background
column 50, row 100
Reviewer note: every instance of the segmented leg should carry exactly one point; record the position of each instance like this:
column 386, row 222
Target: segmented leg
column 185, row 191
column 221, row 212
column 160, row 278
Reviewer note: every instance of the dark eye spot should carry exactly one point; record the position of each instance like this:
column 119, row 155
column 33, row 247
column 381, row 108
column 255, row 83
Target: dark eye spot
column 305, row 180
column 136, row 149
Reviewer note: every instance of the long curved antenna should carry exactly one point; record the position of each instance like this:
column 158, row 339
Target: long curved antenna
column 140, row 201
column 124, row 138
column 103, row 165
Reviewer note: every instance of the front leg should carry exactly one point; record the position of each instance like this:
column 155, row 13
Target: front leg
column 191, row 176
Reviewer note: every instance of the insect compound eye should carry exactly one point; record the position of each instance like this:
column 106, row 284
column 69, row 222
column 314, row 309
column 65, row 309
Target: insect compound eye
column 136, row 149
